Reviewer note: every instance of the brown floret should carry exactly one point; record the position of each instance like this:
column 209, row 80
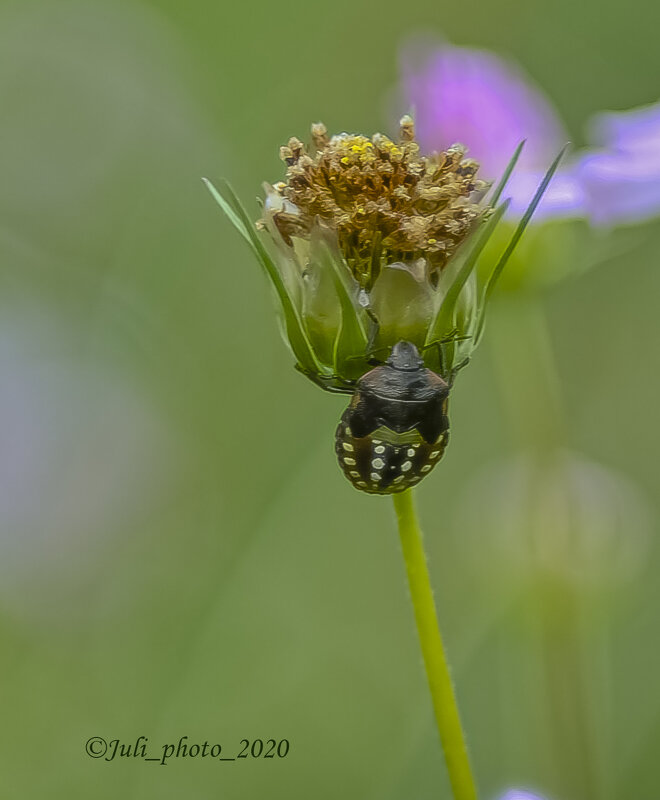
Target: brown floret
column 385, row 201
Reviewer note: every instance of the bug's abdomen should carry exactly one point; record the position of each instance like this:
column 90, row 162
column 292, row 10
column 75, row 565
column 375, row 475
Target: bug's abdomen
column 385, row 462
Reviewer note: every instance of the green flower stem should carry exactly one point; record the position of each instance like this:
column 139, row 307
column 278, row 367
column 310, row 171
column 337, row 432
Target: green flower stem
column 435, row 660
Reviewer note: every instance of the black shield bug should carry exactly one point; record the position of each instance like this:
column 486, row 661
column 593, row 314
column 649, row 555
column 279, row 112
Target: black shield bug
column 395, row 428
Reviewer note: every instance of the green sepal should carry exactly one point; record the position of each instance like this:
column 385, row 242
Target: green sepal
column 300, row 345
column 321, row 311
column 287, row 261
column 520, row 229
column 403, row 301
column 351, row 343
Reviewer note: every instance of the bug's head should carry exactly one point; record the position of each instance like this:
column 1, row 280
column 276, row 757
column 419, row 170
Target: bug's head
column 405, row 357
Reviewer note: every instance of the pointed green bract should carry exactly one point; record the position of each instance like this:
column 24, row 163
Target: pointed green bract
column 444, row 320
column 497, row 271
column 501, row 184
column 297, row 338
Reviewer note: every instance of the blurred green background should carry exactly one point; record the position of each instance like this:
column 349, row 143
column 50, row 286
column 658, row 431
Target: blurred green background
column 179, row 553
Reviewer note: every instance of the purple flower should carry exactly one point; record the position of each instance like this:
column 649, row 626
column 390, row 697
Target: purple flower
column 476, row 98
column 565, row 197
column 484, row 102
column 621, row 180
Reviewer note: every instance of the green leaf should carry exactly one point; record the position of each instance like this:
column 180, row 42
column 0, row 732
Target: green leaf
column 520, row 229
column 302, row 349
column 506, row 175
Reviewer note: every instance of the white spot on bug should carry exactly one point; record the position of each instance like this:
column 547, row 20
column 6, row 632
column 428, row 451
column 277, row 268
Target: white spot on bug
column 375, row 477
column 350, row 461
column 378, row 463
column 411, row 451
column 435, row 454
column 398, row 479
column 361, row 483
column 377, row 441
column 347, row 446
column 379, row 449
column 355, row 473
column 406, row 466
column 426, row 467
column 347, row 431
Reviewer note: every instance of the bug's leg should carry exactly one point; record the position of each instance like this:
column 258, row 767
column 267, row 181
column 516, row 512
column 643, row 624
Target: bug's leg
column 374, row 324
column 440, row 344
column 335, row 385
column 457, row 369
column 371, row 358
column 441, row 358
column 329, row 383
column 374, row 328
column 374, row 359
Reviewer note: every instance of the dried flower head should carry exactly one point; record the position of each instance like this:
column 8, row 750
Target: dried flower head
column 385, row 201
column 372, row 249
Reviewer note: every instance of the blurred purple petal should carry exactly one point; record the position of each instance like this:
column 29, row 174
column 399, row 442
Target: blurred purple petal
column 564, row 196
column 482, row 101
column 516, row 794
column 622, row 180
column 486, row 103
column 476, row 98
column 634, row 130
